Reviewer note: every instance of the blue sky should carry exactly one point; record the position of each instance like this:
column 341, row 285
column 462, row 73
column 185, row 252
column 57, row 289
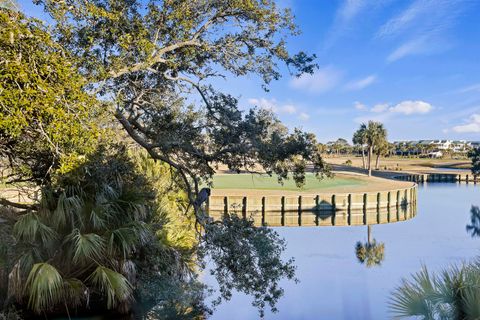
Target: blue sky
column 411, row 64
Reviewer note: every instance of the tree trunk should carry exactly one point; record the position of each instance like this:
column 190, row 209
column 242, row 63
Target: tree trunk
column 377, row 161
column 363, row 158
column 370, row 151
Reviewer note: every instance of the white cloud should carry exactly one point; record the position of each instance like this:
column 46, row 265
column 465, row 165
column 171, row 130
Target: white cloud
column 359, row 106
column 350, row 9
column 273, row 105
column 303, row 116
column 472, row 126
column 289, row 108
column 361, row 83
column 423, row 27
column 348, row 13
column 416, row 46
column 473, row 87
column 322, row 80
column 269, row 104
column 381, row 107
column 423, row 16
column 412, row 107
column 385, row 111
column 404, row 19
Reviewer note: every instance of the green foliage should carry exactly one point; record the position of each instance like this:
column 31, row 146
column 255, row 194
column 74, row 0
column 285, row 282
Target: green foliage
column 150, row 64
column 149, row 61
column 167, row 281
column 474, row 155
column 373, row 135
column 113, row 284
column 81, row 243
column 46, row 118
column 247, row 259
column 452, row 294
column 171, row 203
column 44, row 285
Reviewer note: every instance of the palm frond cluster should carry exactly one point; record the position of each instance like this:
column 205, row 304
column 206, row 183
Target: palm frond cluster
column 454, row 293
column 95, row 241
column 78, row 248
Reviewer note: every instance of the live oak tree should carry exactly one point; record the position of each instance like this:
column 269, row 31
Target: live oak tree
column 154, row 65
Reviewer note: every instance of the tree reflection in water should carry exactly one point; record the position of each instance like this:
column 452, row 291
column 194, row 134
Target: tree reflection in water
column 370, row 253
column 474, row 227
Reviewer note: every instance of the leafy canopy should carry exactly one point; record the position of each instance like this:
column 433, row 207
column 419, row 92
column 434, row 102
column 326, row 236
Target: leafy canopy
column 155, row 63
column 46, row 117
column 475, row 157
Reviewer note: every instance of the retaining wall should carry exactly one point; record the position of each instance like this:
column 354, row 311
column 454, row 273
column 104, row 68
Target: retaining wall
column 319, row 209
column 438, row 177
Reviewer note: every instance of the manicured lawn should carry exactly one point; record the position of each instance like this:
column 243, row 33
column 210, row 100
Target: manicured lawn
column 250, row 181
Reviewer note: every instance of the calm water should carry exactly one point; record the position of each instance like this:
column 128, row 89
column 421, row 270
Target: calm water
column 334, row 285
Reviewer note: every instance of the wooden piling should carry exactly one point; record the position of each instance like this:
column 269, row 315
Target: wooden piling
column 244, row 207
column 349, row 209
column 226, row 205
column 263, row 210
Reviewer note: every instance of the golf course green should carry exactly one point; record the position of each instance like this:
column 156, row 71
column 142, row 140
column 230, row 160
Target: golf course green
column 265, row 182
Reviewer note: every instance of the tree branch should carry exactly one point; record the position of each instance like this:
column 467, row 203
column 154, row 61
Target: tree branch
column 23, row 206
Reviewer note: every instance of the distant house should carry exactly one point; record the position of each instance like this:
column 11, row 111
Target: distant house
column 430, row 147
column 435, row 154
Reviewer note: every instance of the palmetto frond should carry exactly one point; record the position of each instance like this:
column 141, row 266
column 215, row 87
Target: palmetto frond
column 122, row 241
column 44, row 287
column 454, row 294
column 30, row 255
column 68, row 211
column 86, row 247
column 113, row 284
column 99, row 217
column 413, row 298
column 29, row 228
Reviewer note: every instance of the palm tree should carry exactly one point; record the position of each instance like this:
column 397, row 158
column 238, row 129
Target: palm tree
column 381, row 149
column 78, row 247
column 359, row 139
column 370, row 134
column 453, row 294
column 371, row 253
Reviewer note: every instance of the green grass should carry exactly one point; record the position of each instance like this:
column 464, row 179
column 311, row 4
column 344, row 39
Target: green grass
column 264, row 182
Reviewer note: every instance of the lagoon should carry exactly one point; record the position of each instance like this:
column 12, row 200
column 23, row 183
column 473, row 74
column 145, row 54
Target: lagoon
column 334, row 285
